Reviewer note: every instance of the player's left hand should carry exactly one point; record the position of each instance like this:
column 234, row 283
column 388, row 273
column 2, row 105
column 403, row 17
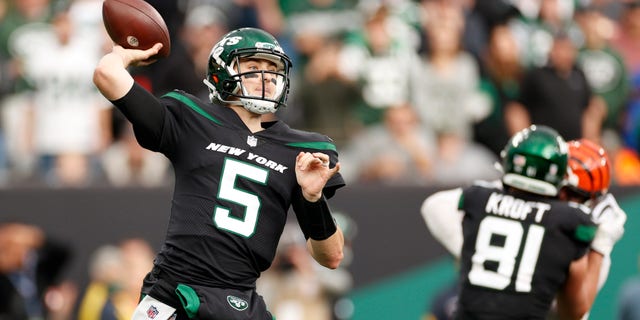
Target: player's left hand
column 313, row 172
column 610, row 230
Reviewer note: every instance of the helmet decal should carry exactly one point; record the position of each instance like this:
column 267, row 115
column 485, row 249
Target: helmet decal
column 266, row 45
column 225, row 79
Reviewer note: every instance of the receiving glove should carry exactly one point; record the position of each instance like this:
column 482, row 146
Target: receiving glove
column 611, row 222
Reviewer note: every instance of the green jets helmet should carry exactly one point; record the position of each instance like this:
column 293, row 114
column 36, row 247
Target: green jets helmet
column 224, row 77
column 535, row 160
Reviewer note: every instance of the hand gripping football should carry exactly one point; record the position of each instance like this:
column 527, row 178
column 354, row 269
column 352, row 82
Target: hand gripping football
column 135, row 24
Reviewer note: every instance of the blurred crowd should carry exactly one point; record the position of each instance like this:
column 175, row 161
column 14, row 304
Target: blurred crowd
column 414, row 92
column 35, row 282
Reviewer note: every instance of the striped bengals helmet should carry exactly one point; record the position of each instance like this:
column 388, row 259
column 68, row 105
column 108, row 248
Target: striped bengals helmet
column 589, row 168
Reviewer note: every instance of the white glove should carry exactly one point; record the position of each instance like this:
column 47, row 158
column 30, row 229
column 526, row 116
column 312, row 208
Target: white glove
column 610, row 230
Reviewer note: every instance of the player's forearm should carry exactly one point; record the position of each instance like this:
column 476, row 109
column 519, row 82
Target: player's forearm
column 592, row 279
column 329, row 252
column 111, row 77
column 580, row 292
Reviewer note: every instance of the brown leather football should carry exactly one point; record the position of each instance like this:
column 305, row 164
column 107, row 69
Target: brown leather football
column 135, row 24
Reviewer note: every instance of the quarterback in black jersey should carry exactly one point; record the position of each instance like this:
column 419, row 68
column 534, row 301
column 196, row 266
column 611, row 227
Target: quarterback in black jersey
column 519, row 246
column 235, row 177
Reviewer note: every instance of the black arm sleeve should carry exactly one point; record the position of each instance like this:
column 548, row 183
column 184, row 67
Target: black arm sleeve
column 146, row 113
column 314, row 218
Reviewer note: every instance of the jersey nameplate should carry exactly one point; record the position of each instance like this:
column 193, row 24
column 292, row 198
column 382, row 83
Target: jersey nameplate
column 508, row 206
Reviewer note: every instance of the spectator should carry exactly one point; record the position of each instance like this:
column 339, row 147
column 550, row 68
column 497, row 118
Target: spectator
column 501, row 77
column 68, row 117
column 137, row 259
column 627, row 39
column 311, row 24
column 126, row 163
column 488, row 14
column 86, row 17
column 449, row 100
column 381, row 63
column 460, row 161
column 116, row 274
column 540, row 21
column 31, row 265
column 398, row 151
column 106, row 270
column 14, row 156
column 603, row 66
column 558, row 95
column 19, row 13
column 319, row 99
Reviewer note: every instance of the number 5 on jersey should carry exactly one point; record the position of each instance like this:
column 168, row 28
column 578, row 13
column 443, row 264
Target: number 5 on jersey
column 231, row 170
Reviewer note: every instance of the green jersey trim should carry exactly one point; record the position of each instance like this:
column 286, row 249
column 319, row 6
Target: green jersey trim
column 189, row 299
column 191, row 105
column 586, row 233
column 320, row 145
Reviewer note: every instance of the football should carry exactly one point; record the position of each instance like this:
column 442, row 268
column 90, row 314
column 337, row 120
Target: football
column 135, row 24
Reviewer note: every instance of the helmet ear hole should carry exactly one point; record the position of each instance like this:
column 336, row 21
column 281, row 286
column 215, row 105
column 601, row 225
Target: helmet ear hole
column 228, row 85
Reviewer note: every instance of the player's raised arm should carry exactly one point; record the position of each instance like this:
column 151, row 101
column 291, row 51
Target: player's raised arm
column 111, row 75
column 139, row 106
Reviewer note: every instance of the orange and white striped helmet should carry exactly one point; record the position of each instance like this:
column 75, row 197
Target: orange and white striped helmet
column 589, row 171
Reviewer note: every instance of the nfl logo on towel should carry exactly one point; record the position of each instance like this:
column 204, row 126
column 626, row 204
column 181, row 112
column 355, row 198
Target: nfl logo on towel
column 152, row 312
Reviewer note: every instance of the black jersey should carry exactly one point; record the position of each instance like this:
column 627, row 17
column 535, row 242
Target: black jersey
column 233, row 189
column 516, row 252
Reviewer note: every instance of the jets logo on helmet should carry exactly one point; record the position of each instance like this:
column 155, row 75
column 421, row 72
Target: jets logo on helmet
column 535, row 160
column 224, row 77
column 267, row 45
column 589, row 169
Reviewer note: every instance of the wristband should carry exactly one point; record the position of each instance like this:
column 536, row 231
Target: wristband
column 315, row 218
column 321, row 222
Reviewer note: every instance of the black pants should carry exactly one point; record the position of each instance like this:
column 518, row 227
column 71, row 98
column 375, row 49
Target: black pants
column 206, row 303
